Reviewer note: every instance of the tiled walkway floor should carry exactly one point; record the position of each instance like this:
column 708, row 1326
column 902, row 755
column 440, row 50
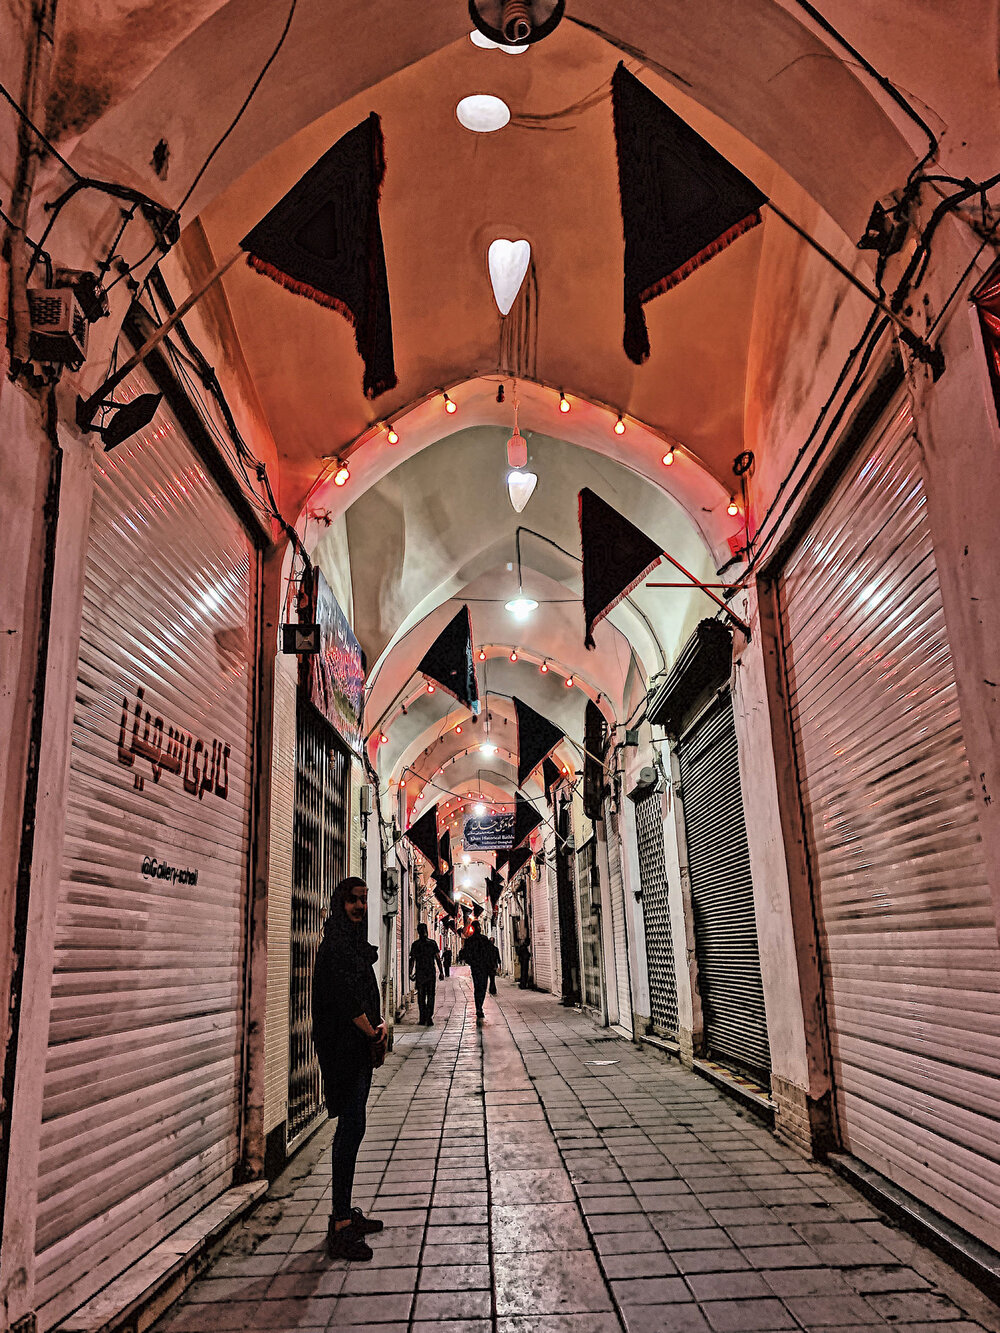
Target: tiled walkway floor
column 539, row 1176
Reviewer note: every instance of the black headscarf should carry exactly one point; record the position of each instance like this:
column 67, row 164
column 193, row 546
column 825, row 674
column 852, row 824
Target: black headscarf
column 349, row 942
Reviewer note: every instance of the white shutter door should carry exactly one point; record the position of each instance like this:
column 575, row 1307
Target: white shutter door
column 911, row 961
column 541, row 943
column 142, row 1082
column 616, row 893
column 549, row 871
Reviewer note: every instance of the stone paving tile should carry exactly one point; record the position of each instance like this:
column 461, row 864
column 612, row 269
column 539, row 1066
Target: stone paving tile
column 526, row 1191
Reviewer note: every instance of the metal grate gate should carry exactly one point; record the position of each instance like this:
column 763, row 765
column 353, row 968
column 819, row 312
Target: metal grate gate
column 725, row 921
column 322, row 773
column 589, row 892
column 656, row 915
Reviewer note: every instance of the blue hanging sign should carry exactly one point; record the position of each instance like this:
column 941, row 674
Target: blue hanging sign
column 490, row 833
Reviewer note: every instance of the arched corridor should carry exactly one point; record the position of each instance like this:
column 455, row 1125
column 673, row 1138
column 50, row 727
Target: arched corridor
column 551, row 484
column 537, row 1173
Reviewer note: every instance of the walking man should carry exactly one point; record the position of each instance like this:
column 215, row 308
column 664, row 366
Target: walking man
column 446, row 960
column 479, row 953
column 425, row 963
column 524, row 958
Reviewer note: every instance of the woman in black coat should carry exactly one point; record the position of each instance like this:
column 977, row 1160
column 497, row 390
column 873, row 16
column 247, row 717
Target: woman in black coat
column 350, row 1039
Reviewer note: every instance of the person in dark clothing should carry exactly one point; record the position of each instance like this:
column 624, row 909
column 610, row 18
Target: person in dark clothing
column 524, row 957
column 350, row 1039
column 425, row 963
column 494, row 969
column 446, row 960
column 479, row 953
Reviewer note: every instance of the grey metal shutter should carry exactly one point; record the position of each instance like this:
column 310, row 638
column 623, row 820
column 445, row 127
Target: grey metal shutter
column 616, row 895
column 588, row 889
column 725, row 923
column 908, row 935
column 321, row 843
column 541, row 934
column 660, row 962
column 141, row 1110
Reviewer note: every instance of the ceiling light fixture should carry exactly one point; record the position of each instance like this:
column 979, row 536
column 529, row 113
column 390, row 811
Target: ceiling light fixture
column 482, row 654
column 520, row 606
column 507, row 262
column 383, row 739
column 569, row 682
column 619, row 425
column 479, row 810
column 391, row 435
column 488, row 749
column 342, row 475
column 520, row 488
column 430, row 690
column 732, row 507
column 563, row 402
column 668, row 458
column 458, row 730
column 506, row 22
column 544, row 668
column 449, row 404
column 513, row 654
column 482, row 113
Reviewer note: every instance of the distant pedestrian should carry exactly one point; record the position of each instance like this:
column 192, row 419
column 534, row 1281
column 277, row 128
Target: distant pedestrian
column 524, row 958
column 446, row 960
column 479, row 952
column 425, row 964
column 495, row 968
column 350, row 1039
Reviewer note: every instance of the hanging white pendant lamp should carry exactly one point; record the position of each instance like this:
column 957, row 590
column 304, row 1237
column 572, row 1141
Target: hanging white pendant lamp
column 520, row 488
column 508, row 263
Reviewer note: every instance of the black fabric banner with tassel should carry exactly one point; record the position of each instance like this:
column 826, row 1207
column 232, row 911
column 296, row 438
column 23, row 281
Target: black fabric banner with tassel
column 681, row 201
column 537, row 737
column 526, row 819
column 323, row 240
column 423, row 834
column 502, row 858
column 519, row 858
column 551, row 775
column 450, row 662
column 494, row 887
column 595, row 745
column 617, row 556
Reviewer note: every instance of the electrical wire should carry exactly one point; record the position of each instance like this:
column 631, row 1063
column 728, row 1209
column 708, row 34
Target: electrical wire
column 246, row 102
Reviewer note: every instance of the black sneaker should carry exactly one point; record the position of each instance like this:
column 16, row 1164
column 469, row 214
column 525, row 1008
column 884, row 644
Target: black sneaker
column 347, row 1244
column 365, row 1226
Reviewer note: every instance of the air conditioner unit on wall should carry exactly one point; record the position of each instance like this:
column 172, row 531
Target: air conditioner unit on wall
column 367, row 798
column 58, row 326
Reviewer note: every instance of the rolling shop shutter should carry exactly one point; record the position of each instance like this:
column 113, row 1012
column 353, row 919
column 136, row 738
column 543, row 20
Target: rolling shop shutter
column 541, row 933
column 725, row 922
column 141, row 1110
column 908, row 936
column 616, row 895
column 660, row 964
column 589, row 891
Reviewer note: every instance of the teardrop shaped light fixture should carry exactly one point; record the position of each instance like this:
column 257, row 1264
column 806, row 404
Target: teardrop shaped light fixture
column 508, row 263
column 520, row 488
column 482, row 113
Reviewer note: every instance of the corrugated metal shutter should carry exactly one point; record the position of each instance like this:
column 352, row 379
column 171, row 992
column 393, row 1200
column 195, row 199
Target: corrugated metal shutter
column 660, row 962
column 279, row 896
column 322, row 799
column 616, row 895
column 589, row 891
column 541, row 941
column 725, row 922
column 569, row 959
column 141, row 1111
column 908, row 934
column 553, row 898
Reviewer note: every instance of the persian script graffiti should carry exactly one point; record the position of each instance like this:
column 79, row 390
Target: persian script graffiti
column 172, row 750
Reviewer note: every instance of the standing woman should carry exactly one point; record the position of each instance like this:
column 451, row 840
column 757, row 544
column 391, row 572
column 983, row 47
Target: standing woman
column 350, row 1039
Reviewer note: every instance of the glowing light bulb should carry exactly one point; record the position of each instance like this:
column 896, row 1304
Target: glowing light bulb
column 668, row 458
column 479, row 810
column 619, row 425
column 342, row 475
column 458, row 730
column 449, row 405
column 482, row 654
column 521, row 607
column 488, row 749
column 383, row 739
column 513, row 654
column 569, row 682
column 430, row 690
column 544, row 668
column 563, row 402
column 732, row 507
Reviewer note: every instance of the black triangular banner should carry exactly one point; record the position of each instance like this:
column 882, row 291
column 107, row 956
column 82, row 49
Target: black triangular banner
column 536, row 738
column 450, row 661
column 423, row 835
column 616, row 557
column 519, row 858
column 595, row 745
column 552, row 775
column 526, row 818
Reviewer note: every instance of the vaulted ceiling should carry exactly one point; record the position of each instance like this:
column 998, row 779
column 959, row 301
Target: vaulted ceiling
column 425, row 526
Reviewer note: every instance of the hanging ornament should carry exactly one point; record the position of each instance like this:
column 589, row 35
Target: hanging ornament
column 517, row 445
column 508, row 263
